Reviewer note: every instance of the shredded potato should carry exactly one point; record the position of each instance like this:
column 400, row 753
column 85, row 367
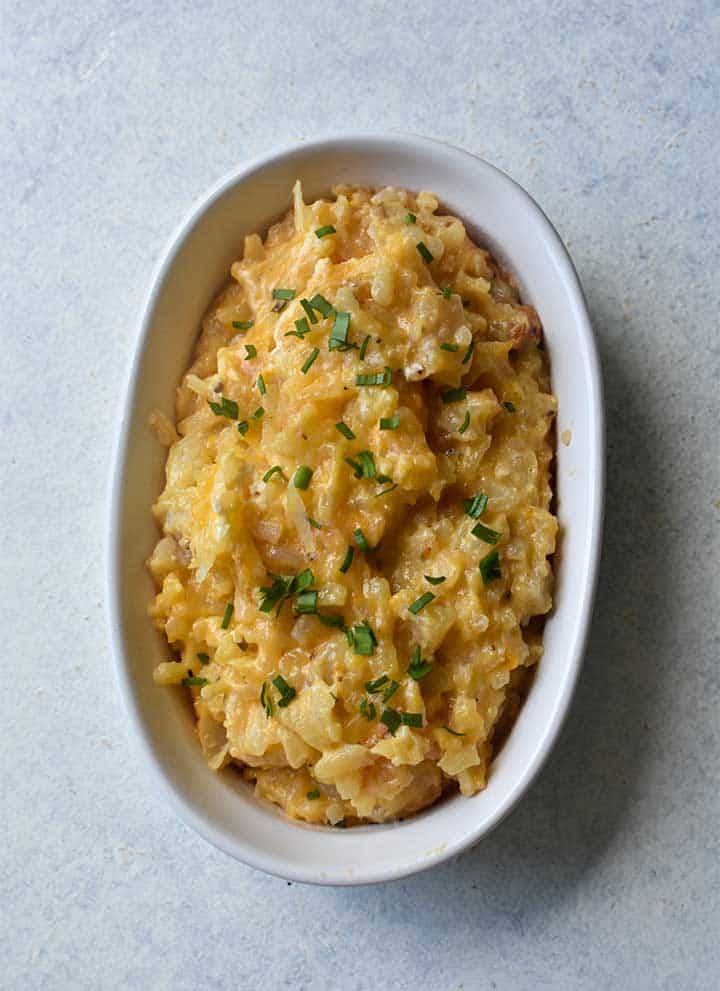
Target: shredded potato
column 356, row 518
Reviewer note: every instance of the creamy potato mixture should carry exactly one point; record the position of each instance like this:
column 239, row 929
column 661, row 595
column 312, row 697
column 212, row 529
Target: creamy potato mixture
column 357, row 514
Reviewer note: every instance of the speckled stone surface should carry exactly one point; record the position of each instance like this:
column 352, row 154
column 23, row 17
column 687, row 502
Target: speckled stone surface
column 115, row 116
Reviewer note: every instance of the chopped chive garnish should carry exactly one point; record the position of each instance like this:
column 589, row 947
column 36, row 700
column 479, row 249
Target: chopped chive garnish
column 383, row 378
column 262, row 388
column 309, row 312
column 447, row 292
column 367, row 709
column 453, row 395
column 390, row 691
column 301, row 478
column 259, row 413
column 314, row 523
column 374, row 686
column 287, row 692
column 338, row 334
column 313, row 795
column 435, row 581
column 227, row 616
column 335, row 622
column 203, row 658
column 357, row 468
column 275, row 470
column 345, row 430
column 424, row 251
column 418, row 668
column 309, row 360
column 392, row 719
column 243, row 427
column 510, row 407
column 361, row 540
column 302, row 327
column 275, row 594
column 324, row 231
column 347, row 560
column 242, row 324
column 490, row 567
column 304, row 580
column 367, row 465
column 469, row 353
column 250, row 352
column 483, row 532
column 364, row 347
column 390, row 422
column 226, row 407
column 420, row 603
column 476, row 506
column 449, row 347
column 286, row 294
column 465, row 424
column 453, row 731
column 192, row 680
column 266, row 699
column 364, row 640
column 414, row 719
column 320, row 304
column 385, row 491
column 306, row 602
column 410, row 218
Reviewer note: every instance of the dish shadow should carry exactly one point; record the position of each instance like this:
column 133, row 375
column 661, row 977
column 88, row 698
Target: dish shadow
column 584, row 795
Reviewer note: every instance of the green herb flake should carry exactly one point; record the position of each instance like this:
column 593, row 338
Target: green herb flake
column 447, row 292
column 345, row 430
column 243, row 427
column 322, row 232
column 309, row 312
column 367, row 709
column 250, row 352
column 374, row 686
column 424, row 252
column 413, row 719
column 390, row 691
column 338, row 335
column 449, row 347
column 301, row 478
column 364, row 640
column 309, row 360
column 421, row 602
column 434, row 581
column 357, row 468
column 465, row 424
column 203, row 658
column 334, row 622
column 314, row 523
column 390, row 422
column 259, row 413
column 364, row 347
column 302, row 327
column 262, row 388
column 510, row 407
column 226, row 407
column 453, row 395
column 266, row 699
column 347, row 560
column 410, row 218
column 275, row 470
column 243, row 324
column 287, row 692
column 469, row 353
column 313, row 795
column 361, row 540
column 322, row 306
column 306, row 602
column 192, row 680
column 227, row 616
column 490, row 567
column 367, row 465
column 285, row 294
column 454, row 732
column 476, row 506
column 382, row 379
column 418, row 668
column 392, row 719
column 483, row 532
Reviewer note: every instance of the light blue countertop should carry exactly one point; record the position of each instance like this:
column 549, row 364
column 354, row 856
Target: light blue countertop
column 116, row 116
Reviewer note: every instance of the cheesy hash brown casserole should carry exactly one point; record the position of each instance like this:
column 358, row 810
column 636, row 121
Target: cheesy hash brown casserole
column 357, row 516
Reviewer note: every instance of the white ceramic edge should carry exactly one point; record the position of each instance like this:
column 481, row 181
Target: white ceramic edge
column 186, row 810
